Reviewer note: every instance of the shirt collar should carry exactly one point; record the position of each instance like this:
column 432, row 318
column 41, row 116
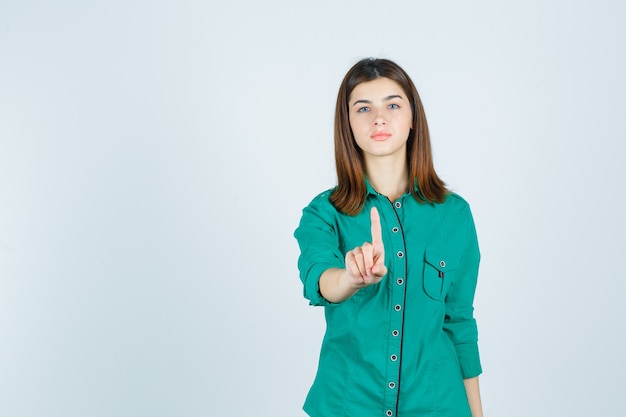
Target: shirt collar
column 368, row 186
column 371, row 190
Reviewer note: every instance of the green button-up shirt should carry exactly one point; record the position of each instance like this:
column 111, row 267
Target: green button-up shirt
column 403, row 346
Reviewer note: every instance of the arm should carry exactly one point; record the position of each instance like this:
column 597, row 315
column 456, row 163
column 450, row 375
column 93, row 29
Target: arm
column 473, row 396
column 335, row 286
column 459, row 323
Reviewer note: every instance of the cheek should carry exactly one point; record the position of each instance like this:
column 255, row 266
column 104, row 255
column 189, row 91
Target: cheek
column 360, row 137
column 407, row 122
column 357, row 127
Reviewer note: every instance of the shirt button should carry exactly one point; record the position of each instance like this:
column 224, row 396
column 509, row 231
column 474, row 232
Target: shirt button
column 392, row 385
column 398, row 204
column 398, row 307
column 389, row 413
column 395, row 230
column 400, row 254
column 393, row 357
column 400, row 281
column 395, row 333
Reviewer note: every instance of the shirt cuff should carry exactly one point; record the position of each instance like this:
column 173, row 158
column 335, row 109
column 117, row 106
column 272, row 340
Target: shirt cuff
column 469, row 359
column 312, row 285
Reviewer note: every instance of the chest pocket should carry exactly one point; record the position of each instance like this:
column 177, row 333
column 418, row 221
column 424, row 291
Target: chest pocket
column 439, row 271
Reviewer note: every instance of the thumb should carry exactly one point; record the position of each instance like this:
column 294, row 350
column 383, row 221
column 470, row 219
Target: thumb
column 379, row 269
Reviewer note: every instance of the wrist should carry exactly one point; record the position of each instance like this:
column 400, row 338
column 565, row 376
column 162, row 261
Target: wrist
column 336, row 285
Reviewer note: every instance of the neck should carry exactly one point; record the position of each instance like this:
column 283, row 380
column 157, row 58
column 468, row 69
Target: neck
column 388, row 177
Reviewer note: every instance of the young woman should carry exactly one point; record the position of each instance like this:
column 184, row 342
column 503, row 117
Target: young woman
column 393, row 257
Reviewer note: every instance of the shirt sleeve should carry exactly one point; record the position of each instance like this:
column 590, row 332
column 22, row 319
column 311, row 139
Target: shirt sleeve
column 459, row 323
column 319, row 246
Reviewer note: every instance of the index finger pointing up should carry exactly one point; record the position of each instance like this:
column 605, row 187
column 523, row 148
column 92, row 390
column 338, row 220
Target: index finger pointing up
column 377, row 234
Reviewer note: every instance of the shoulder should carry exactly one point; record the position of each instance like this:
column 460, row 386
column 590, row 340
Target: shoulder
column 320, row 207
column 456, row 207
column 322, row 197
column 455, row 201
column 322, row 201
column 318, row 215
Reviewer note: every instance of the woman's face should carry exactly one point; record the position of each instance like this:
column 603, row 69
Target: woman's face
column 380, row 118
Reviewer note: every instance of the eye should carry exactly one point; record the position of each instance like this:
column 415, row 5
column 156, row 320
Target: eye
column 363, row 109
column 394, row 106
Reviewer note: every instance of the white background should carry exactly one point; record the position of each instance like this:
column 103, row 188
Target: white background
column 155, row 157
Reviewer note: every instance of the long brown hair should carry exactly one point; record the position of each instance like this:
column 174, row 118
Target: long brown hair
column 350, row 194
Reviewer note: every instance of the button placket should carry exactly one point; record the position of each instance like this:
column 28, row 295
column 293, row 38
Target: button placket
column 398, row 266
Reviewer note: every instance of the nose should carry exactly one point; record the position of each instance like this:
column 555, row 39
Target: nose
column 379, row 119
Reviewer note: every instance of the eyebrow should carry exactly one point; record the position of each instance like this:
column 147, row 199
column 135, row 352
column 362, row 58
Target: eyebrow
column 384, row 99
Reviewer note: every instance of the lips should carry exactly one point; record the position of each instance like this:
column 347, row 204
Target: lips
column 380, row 135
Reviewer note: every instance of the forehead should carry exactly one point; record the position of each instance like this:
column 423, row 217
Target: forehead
column 378, row 88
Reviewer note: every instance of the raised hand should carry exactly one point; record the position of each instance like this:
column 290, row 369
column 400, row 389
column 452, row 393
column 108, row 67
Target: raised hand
column 365, row 265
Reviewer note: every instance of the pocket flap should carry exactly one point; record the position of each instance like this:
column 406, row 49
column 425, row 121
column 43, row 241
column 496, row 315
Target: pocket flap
column 439, row 261
column 438, row 274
